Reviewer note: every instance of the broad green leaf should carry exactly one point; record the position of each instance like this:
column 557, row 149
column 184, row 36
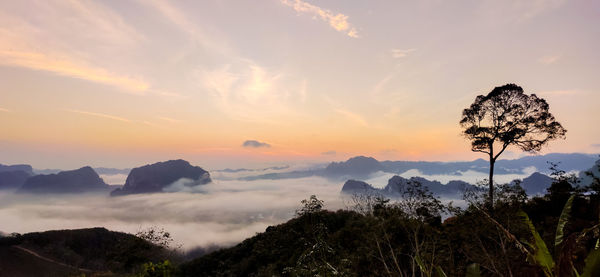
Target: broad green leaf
column 440, row 271
column 473, row 270
column 575, row 271
column 421, row 265
column 562, row 221
column 592, row 264
column 541, row 256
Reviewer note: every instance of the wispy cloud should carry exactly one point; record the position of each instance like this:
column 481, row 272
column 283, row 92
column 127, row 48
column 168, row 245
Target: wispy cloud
column 247, row 91
column 329, row 153
column 39, row 61
column 547, row 60
column 4, row 110
column 168, row 119
column 63, row 28
column 338, row 21
column 255, row 144
column 239, row 87
column 184, row 24
column 532, row 8
column 596, row 145
column 108, row 116
column 401, row 53
column 352, row 117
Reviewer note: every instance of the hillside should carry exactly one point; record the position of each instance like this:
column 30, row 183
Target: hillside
column 62, row 252
column 380, row 238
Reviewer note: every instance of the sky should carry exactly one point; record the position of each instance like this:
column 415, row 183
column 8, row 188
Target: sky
column 238, row 83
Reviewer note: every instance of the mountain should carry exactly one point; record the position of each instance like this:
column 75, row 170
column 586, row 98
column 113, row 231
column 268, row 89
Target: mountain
column 354, row 186
column 587, row 177
column 396, row 186
column 23, row 167
column 567, row 162
column 435, row 168
column 359, row 166
column 99, row 170
column 155, row 177
column 80, row 180
column 536, row 184
column 13, row 179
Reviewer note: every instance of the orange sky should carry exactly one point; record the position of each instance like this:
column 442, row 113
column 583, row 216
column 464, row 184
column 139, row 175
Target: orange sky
column 123, row 83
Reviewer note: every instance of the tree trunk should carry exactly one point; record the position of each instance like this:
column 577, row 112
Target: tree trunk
column 491, row 191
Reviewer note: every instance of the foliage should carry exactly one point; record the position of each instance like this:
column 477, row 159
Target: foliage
column 160, row 269
column 311, row 205
column 157, row 236
column 540, row 256
column 96, row 249
column 507, row 116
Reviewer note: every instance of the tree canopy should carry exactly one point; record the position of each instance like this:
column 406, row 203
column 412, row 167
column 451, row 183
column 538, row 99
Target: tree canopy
column 507, row 116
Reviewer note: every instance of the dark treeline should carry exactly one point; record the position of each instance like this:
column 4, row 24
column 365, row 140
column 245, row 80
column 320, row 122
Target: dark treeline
column 552, row 235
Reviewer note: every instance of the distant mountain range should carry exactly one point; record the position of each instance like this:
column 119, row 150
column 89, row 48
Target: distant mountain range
column 80, row 180
column 362, row 167
column 535, row 184
column 99, row 170
column 22, row 167
column 146, row 179
column 396, row 186
column 158, row 176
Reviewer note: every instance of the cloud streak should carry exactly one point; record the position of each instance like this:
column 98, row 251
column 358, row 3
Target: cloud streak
column 64, row 67
column 63, row 29
column 101, row 115
column 352, row 117
column 338, row 21
column 548, row 60
column 401, row 53
column 168, row 119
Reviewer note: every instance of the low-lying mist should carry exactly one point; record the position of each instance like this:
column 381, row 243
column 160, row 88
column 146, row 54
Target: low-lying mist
column 222, row 213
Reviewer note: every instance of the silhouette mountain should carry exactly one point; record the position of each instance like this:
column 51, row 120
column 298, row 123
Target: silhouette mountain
column 536, row 184
column 362, row 167
column 354, row 186
column 586, row 178
column 359, row 166
column 80, row 180
column 23, row 167
column 13, row 179
column 396, row 186
column 154, row 177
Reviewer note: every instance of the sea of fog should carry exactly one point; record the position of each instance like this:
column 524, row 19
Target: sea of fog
column 221, row 213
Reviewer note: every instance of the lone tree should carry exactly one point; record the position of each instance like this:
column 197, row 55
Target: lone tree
column 505, row 117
